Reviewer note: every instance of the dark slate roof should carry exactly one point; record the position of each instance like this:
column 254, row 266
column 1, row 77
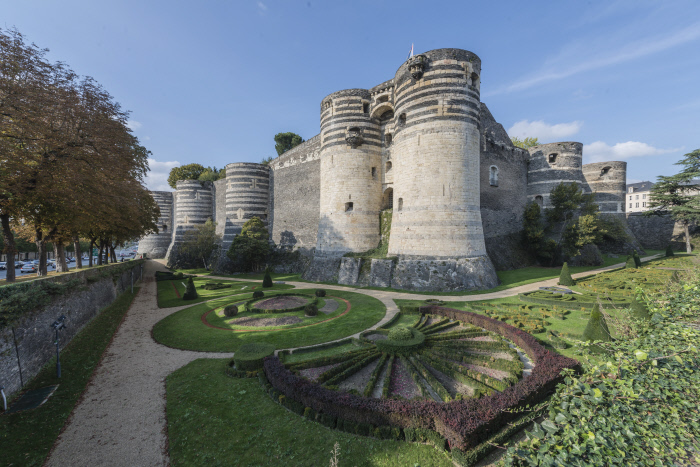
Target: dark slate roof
column 641, row 186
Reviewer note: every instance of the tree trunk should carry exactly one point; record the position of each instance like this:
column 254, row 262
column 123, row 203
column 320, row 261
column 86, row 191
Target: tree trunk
column 10, row 247
column 92, row 247
column 78, row 253
column 41, row 252
column 60, row 249
column 100, row 254
column 112, row 254
column 688, row 247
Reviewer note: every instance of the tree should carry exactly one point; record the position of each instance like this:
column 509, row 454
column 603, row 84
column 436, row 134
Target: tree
column 677, row 195
column 525, row 143
column 190, row 290
column 212, row 174
column 267, row 160
column 197, row 246
column 251, row 247
column 286, row 141
column 267, row 280
column 185, row 172
column 597, row 328
column 565, row 276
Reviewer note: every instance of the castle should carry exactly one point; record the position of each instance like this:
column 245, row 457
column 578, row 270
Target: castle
column 421, row 144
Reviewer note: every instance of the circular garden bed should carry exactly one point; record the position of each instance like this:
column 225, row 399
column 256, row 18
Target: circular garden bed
column 281, row 303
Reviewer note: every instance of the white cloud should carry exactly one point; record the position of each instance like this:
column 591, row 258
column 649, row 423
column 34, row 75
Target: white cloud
column 157, row 178
column 544, row 131
column 600, row 151
column 262, row 7
column 133, row 125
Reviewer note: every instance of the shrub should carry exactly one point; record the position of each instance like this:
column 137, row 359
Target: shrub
column 311, row 309
column 394, row 346
column 190, row 291
column 639, row 310
column 565, row 276
column 630, row 264
column 215, row 286
column 258, row 294
column 230, row 311
column 250, row 356
column 400, row 334
column 320, row 293
column 669, row 251
column 597, row 328
column 637, row 259
column 267, row 280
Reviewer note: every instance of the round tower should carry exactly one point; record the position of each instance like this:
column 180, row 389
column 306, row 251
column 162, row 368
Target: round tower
column 247, row 196
column 436, row 154
column 351, row 185
column 193, row 206
column 552, row 164
column 156, row 245
column 608, row 181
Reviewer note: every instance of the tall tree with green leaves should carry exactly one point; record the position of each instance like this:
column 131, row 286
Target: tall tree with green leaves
column 286, row 141
column 524, row 143
column 678, row 196
column 198, row 245
column 185, row 172
column 250, row 248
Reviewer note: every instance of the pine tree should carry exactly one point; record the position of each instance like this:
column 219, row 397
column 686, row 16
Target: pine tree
column 597, row 328
column 190, row 291
column 565, row 276
column 669, row 251
column 630, row 264
column 267, row 280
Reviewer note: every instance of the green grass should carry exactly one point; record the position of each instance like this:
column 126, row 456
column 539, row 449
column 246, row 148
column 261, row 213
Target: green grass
column 27, row 437
column 184, row 329
column 167, row 297
column 328, row 351
column 214, row 419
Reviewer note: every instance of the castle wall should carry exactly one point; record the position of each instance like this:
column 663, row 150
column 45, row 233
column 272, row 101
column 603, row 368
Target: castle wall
column 294, row 206
column 657, row 232
column 156, row 245
column 219, row 208
column 193, row 205
column 544, row 174
column 608, row 181
column 247, row 196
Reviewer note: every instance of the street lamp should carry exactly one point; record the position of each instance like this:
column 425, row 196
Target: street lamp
column 58, row 325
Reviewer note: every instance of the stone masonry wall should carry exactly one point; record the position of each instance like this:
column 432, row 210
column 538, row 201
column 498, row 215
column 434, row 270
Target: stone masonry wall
column 28, row 345
column 657, row 232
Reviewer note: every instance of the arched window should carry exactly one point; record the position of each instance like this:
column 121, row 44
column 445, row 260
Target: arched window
column 605, row 172
column 493, row 175
column 539, row 200
column 475, row 79
column 388, row 166
column 402, row 119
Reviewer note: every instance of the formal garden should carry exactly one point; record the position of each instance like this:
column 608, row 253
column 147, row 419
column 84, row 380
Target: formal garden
column 444, row 381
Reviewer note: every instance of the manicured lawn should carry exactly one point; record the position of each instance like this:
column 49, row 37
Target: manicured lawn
column 27, row 437
column 167, row 297
column 185, row 330
column 214, row 419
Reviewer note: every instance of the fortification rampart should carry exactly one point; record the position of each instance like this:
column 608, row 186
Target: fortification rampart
column 552, row 164
column 156, row 245
column 247, row 196
column 608, row 181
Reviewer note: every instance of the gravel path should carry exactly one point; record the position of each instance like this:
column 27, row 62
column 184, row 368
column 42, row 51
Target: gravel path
column 120, row 420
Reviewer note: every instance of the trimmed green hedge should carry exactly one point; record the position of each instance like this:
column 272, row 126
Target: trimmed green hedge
column 404, row 346
column 574, row 303
column 250, row 356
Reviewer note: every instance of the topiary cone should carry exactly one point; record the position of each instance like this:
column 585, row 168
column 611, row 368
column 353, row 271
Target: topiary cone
column 630, row 264
column 637, row 259
column 639, row 310
column 669, row 251
column 597, row 328
column 565, row 276
column 190, row 291
column 267, row 280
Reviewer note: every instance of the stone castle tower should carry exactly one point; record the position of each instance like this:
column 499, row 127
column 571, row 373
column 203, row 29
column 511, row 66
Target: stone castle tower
column 422, row 149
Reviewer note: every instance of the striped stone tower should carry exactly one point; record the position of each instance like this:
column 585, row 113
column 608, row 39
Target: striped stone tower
column 156, row 245
column 552, row 164
column 608, row 181
column 436, row 154
column 193, row 206
column 247, row 196
column 351, row 180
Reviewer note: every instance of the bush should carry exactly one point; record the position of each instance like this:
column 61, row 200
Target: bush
column 215, row 286
column 637, row 259
column 597, row 328
column 250, row 356
column 258, row 294
column 631, row 263
column 565, row 276
column 400, row 334
column 267, row 280
column 669, row 251
column 311, row 309
column 230, row 311
column 190, row 291
column 639, row 310
column 320, row 293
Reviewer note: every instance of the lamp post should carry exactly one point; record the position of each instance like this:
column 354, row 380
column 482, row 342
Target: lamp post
column 58, row 325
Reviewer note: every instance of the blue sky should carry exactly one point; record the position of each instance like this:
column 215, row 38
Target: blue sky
column 213, row 81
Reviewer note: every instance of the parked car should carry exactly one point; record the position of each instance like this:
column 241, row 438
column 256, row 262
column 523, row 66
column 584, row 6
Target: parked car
column 29, row 267
column 19, row 264
column 3, row 265
column 69, row 259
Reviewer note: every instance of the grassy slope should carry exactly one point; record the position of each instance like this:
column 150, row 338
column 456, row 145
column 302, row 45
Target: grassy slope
column 214, row 419
column 167, row 297
column 27, row 437
column 184, row 329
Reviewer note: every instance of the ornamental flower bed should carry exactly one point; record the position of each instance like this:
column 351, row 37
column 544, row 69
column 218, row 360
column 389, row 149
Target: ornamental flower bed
column 463, row 423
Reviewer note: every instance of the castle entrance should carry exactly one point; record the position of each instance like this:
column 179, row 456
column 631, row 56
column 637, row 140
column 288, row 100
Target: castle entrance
column 388, row 199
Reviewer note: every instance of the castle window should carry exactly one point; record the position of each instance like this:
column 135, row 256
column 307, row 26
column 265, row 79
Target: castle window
column 388, row 199
column 402, row 119
column 374, row 173
column 365, row 108
column 475, row 79
column 348, row 207
column 387, row 139
column 400, row 204
column 552, row 158
column 539, row 200
column 388, row 166
column 164, row 228
column 605, row 171
column 493, row 175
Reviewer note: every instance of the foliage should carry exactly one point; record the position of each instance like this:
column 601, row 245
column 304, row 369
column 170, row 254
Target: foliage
column 565, row 276
column 320, row 293
column 267, row 280
column 250, row 356
column 212, row 174
column 197, row 246
column 185, row 172
column 267, row 160
column 597, row 328
column 637, row 259
column 639, row 310
column 311, row 309
column 630, row 263
column 251, row 247
column 215, row 286
column 400, row 334
column 230, row 311
column 524, row 143
column 258, row 294
column 286, row 141
column 191, row 291
column 534, row 236
column 669, row 251
column 649, row 387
